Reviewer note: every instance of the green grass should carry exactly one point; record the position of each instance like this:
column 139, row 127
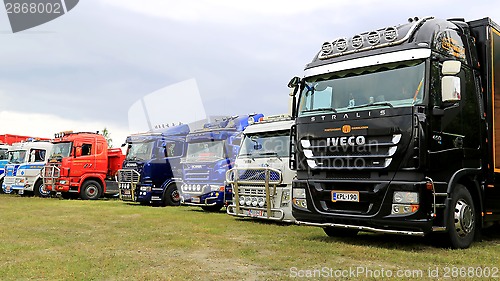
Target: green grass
column 52, row 239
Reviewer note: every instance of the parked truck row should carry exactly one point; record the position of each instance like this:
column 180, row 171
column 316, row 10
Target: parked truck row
column 394, row 131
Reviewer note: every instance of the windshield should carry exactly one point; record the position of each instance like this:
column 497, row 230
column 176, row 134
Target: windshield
column 391, row 85
column 205, row 151
column 17, row 156
column 140, row 151
column 61, row 150
column 3, row 153
column 266, row 144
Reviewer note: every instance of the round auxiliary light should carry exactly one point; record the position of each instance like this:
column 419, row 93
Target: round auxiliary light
column 373, row 38
column 242, row 200
column 326, row 48
column 357, row 41
column 248, row 201
column 261, row 202
column 254, row 202
column 390, row 34
column 341, row 45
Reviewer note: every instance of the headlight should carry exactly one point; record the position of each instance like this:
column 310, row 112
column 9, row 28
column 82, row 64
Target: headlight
column 404, row 203
column 299, row 197
column 403, row 197
column 62, row 182
column 242, row 200
column 145, row 188
column 248, row 201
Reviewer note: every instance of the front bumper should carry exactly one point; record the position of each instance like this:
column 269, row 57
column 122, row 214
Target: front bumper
column 376, row 217
column 208, row 199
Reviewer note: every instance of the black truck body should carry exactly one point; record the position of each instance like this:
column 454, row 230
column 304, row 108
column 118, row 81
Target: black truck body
column 398, row 131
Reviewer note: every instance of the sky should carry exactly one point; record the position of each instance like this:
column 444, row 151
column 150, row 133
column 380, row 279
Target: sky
column 106, row 62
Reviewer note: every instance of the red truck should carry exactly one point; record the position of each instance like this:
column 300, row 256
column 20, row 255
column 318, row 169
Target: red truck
column 82, row 164
column 10, row 139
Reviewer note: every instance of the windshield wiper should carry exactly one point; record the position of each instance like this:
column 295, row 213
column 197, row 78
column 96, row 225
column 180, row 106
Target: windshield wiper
column 373, row 104
column 271, row 153
column 321, row 109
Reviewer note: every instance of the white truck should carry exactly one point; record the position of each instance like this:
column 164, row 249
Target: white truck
column 22, row 172
column 261, row 179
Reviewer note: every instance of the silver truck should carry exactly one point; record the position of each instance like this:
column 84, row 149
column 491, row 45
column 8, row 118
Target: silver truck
column 261, row 178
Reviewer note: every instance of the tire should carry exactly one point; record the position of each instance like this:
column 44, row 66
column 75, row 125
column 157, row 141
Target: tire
column 90, row 190
column 40, row 190
column 1, row 188
column 214, row 208
column 461, row 226
column 340, row 232
column 171, row 196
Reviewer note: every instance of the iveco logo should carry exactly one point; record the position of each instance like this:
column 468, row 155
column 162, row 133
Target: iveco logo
column 131, row 165
column 346, row 141
column 346, row 129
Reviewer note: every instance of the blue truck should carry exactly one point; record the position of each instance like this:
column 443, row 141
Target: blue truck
column 211, row 152
column 152, row 170
column 4, row 148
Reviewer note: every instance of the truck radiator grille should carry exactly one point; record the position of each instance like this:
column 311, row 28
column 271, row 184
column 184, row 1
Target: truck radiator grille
column 254, row 176
column 375, row 153
column 50, row 172
column 128, row 176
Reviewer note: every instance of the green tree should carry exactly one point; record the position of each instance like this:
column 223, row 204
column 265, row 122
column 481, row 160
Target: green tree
column 107, row 136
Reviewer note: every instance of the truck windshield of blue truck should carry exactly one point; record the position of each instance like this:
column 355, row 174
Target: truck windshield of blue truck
column 265, row 145
column 140, row 151
column 205, row 151
column 17, row 156
column 61, row 150
column 353, row 89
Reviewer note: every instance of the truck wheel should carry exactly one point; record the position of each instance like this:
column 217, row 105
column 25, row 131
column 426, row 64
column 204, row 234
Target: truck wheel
column 461, row 226
column 214, row 208
column 91, row 190
column 39, row 189
column 340, row 232
column 1, row 188
column 171, row 196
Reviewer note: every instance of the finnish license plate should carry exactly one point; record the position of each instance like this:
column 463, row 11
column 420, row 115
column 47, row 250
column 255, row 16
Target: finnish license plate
column 195, row 200
column 255, row 213
column 345, row 196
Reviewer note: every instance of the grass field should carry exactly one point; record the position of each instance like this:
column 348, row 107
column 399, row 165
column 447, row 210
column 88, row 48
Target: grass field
column 52, row 239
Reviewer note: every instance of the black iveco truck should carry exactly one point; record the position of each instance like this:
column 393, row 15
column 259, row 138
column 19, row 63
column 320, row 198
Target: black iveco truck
column 398, row 131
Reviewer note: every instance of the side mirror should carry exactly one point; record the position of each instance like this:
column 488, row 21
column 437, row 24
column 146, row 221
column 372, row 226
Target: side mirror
column 450, row 89
column 451, row 67
column 294, row 82
column 450, row 84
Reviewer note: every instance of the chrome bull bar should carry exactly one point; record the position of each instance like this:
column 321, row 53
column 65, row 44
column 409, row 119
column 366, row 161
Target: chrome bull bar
column 265, row 176
column 127, row 182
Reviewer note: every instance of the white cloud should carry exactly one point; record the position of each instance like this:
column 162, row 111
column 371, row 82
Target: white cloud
column 46, row 125
column 227, row 10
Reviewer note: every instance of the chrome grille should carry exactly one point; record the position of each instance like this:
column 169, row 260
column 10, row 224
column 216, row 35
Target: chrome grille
column 375, row 153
